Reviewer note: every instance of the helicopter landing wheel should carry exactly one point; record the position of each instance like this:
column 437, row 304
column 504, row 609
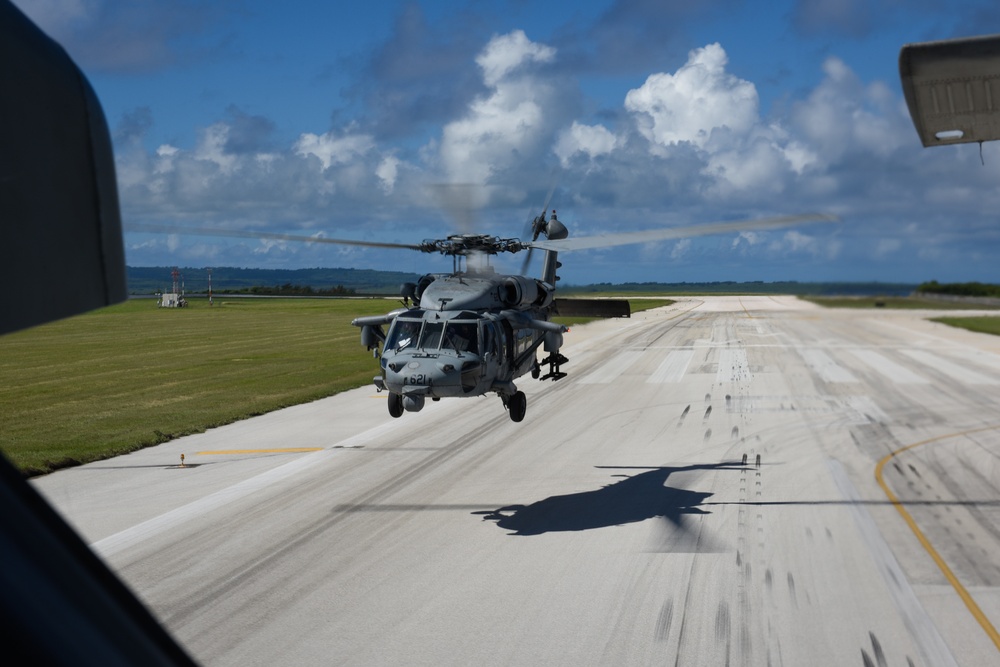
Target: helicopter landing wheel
column 395, row 404
column 517, row 405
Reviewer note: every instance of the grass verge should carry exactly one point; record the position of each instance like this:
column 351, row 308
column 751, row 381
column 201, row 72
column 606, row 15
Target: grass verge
column 990, row 325
column 134, row 375
column 891, row 302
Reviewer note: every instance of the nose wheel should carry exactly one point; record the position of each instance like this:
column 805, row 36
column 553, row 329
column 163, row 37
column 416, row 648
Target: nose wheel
column 395, row 404
column 516, row 405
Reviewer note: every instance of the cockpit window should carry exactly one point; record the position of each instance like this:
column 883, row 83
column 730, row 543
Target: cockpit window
column 459, row 336
column 430, row 338
column 403, row 334
column 462, row 337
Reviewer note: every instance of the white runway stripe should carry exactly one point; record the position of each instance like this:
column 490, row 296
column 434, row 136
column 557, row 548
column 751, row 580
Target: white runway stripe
column 733, row 365
column 960, row 373
column 888, row 368
column 672, row 368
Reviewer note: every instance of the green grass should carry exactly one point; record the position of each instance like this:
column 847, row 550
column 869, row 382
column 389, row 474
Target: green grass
column 892, row 302
column 990, row 325
column 134, row 375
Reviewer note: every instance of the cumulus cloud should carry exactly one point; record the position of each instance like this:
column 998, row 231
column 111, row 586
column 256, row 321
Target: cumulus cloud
column 688, row 143
column 507, row 125
column 694, row 101
column 333, row 148
column 591, row 140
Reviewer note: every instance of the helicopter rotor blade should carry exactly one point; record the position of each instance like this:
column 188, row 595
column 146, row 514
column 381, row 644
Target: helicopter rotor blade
column 529, row 226
column 667, row 233
column 245, row 234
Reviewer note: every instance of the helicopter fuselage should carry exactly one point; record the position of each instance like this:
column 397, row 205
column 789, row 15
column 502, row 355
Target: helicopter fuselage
column 472, row 334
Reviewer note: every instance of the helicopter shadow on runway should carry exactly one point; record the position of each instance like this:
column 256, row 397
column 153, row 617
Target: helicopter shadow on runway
column 634, row 499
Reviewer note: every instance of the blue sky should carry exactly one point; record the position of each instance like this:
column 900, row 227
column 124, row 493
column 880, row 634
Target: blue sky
column 345, row 119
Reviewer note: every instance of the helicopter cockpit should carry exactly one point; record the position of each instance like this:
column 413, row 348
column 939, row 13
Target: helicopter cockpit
column 431, row 337
column 437, row 354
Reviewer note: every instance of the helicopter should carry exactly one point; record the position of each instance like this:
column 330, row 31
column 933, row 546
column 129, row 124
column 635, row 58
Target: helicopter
column 473, row 331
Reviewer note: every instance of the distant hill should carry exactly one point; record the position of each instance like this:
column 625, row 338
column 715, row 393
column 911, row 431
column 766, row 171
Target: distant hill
column 751, row 287
column 149, row 280
column 152, row 279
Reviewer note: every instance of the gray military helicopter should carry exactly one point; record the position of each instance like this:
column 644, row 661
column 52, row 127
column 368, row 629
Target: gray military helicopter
column 473, row 331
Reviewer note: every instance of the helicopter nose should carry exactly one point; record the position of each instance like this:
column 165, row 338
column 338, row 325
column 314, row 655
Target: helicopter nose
column 433, row 376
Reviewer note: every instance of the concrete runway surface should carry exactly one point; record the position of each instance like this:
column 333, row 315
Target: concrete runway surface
column 616, row 525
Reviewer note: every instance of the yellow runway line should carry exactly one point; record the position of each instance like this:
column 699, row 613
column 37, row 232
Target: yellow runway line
column 974, row 609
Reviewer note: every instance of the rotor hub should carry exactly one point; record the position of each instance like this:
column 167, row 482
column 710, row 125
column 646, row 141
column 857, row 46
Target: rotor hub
column 467, row 244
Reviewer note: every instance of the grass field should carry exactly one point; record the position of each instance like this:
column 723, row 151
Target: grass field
column 898, row 302
column 134, row 375
column 990, row 325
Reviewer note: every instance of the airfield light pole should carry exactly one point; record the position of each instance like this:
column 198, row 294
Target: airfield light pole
column 210, row 287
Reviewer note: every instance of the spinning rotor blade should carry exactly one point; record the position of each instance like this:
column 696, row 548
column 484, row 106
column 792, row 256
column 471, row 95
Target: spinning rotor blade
column 528, row 228
column 664, row 234
column 238, row 233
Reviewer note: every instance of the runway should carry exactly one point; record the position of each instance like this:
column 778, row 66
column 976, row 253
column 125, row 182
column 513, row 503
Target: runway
column 617, row 524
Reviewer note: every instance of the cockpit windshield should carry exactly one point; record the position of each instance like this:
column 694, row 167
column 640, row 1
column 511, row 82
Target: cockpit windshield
column 461, row 336
column 403, row 334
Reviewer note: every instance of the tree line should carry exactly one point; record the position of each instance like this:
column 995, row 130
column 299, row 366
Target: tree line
column 288, row 289
column 959, row 289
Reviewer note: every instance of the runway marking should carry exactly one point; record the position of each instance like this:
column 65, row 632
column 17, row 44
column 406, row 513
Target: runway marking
column 733, row 365
column 979, row 357
column 960, row 373
column 612, row 368
column 672, row 368
column 974, row 609
column 286, row 450
column 919, row 624
column 177, row 517
column 827, row 369
column 888, row 368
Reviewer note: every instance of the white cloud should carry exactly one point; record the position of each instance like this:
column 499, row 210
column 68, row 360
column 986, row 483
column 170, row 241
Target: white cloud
column 680, row 249
column 506, row 53
column 212, row 147
column 332, row 149
column 591, row 140
column 843, row 116
column 693, row 102
column 506, row 126
column 387, row 172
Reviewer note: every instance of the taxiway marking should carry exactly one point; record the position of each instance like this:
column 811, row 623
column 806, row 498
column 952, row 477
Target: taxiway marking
column 970, row 603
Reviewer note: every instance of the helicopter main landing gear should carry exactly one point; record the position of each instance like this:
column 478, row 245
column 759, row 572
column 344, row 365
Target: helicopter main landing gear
column 516, row 404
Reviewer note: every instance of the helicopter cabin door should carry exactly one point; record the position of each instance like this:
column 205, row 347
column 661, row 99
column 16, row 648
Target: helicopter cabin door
column 493, row 357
